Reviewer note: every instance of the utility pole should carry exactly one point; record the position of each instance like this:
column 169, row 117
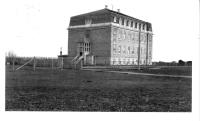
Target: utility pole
column 62, row 64
column 61, row 68
column 139, row 48
column 147, row 49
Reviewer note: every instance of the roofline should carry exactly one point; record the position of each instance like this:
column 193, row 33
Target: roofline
column 86, row 13
column 125, row 15
column 115, row 12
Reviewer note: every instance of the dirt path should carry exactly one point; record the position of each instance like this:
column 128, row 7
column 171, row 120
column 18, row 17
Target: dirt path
column 135, row 73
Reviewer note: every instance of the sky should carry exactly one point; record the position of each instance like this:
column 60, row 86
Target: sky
column 39, row 27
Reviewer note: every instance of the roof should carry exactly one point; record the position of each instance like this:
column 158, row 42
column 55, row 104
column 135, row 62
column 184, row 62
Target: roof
column 103, row 16
column 105, row 10
column 62, row 55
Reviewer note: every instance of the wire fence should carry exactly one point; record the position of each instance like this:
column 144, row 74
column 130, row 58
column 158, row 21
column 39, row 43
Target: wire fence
column 33, row 61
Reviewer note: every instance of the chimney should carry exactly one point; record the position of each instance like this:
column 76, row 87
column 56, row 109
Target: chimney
column 118, row 10
column 61, row 51
column 106, row 6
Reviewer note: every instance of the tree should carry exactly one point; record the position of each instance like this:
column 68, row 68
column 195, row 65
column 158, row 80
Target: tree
column 181, row 63
column 189, row 63
column 11, row 56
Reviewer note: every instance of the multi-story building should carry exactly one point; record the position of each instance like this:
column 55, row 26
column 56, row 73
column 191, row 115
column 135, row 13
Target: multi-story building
column 107, row 37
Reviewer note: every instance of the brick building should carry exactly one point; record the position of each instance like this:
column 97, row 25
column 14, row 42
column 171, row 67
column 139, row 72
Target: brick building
column 107, row 37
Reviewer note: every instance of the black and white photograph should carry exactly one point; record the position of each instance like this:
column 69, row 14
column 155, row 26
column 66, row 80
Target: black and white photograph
column 128, row 59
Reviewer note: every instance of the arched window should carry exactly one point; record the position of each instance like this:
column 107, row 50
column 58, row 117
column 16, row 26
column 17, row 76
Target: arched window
column 122, row 21
column 143, row 26
column 131, row 23
column 127, row 23
column 115, row 19
column 118, row 20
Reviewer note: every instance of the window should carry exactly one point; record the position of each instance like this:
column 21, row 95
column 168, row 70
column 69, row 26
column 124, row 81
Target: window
column 115, row 39
column 88, row 21
column 119, row 49
column 122, row 21
column 143, row 26
column 128, row 61
column 87, row 33
column 115, row 19
column 129, row 49
column 114, row 48
column 119, row 62
column 139, row 26
column 127, row 22
column 114, row 31
column 124, row 61
column 133, row 62
column 132, row 50
column 131, row 23
column 124, row 49
column 132, row 37
column 136, row 25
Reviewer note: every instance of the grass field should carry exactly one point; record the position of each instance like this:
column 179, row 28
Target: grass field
column 78, row 90
column 174, row 70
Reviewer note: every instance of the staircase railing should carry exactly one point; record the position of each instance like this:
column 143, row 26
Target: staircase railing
column 75, row 58
column 79, row 59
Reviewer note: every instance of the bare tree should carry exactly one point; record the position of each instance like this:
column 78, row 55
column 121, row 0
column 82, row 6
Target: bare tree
column 11, row 56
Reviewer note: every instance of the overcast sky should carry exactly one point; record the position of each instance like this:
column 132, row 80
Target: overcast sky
column 39, row 27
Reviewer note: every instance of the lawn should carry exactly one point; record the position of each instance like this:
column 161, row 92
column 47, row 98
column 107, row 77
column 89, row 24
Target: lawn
column 78, row 90
column 176, row 70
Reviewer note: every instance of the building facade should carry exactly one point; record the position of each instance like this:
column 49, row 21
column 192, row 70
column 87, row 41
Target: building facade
column 107, row 37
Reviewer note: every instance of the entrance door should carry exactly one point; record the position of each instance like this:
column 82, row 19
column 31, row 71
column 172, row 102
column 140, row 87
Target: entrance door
column 81, row 53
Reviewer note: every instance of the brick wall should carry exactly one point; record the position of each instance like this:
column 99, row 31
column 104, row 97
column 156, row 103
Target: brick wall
column 100, row 42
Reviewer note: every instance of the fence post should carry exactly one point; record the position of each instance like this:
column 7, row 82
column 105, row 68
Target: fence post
column 13, row 63
column 52, row 63
column 61, row 63
column 34, row 63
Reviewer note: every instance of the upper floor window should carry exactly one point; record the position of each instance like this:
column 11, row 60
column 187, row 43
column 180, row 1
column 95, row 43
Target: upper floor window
column 87, row 33
column 143, row 26
column 88, row 21
column 129, row 49
column 132, row 51
column 127, row 22
column 136, row 25
column 131, row 23
column 150, row 53
column 115, row 48
column 115, row 19
column 122, row 21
